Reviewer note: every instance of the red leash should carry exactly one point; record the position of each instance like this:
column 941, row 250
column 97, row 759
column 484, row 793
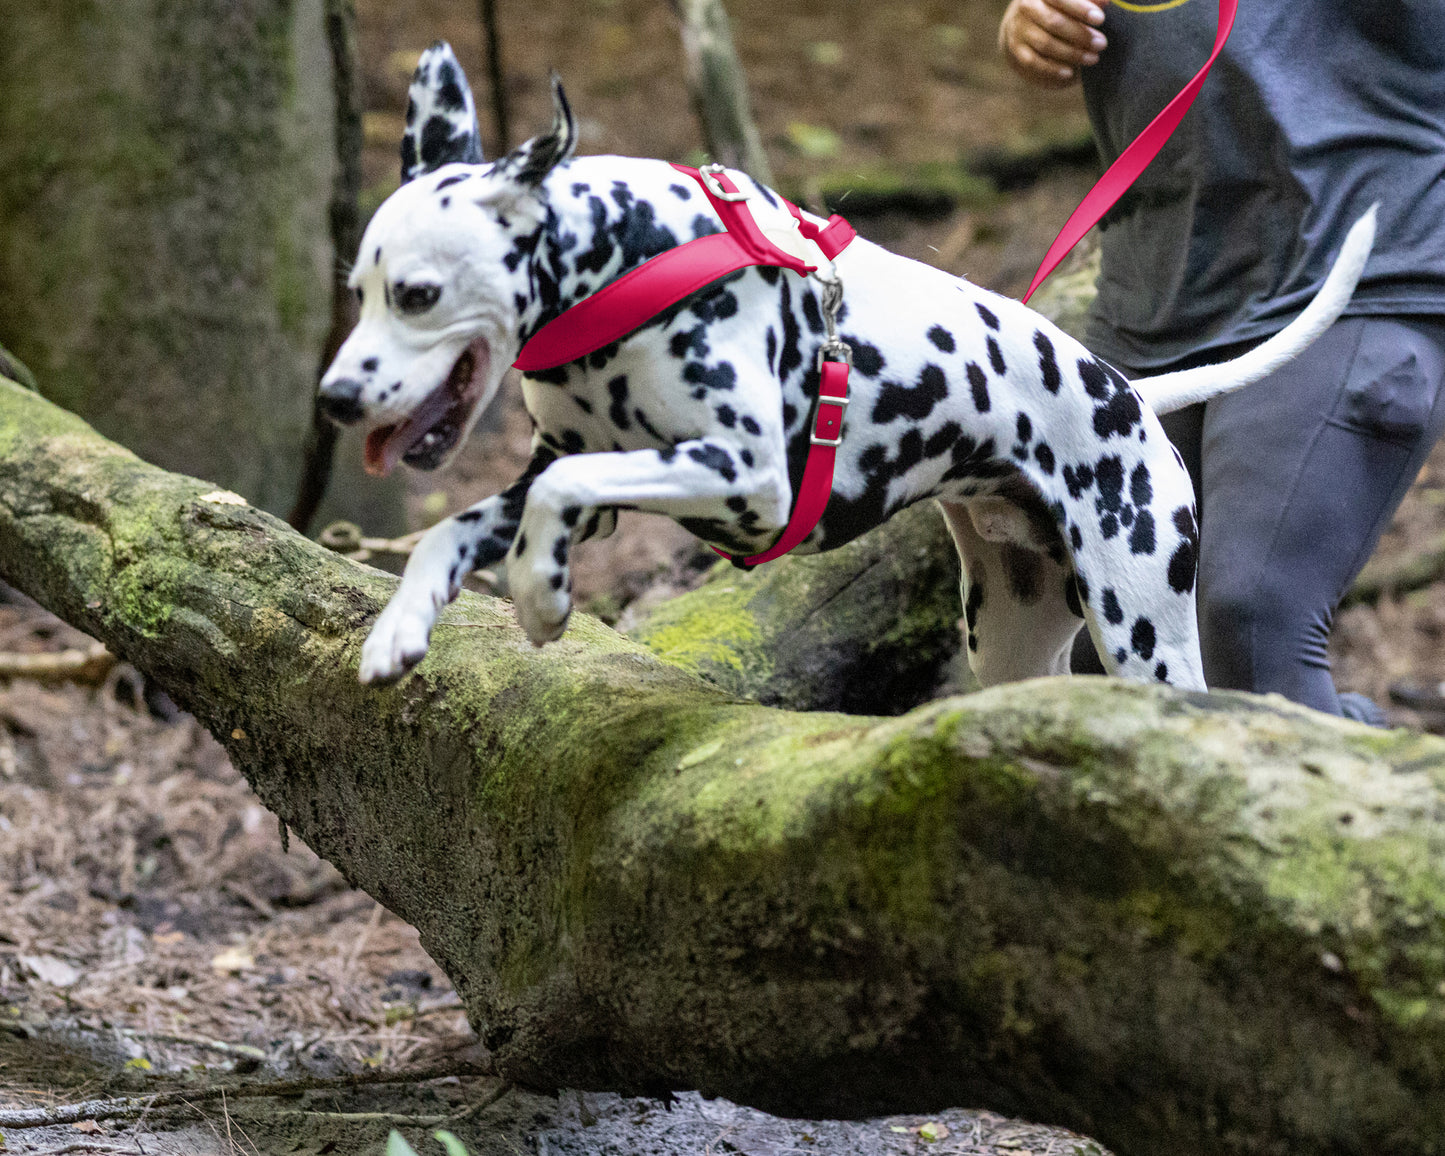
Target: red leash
column 621, row 306
column 1133, row 160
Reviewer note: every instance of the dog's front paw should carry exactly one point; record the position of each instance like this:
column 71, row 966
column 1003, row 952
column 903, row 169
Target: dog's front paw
column 544, row 603
column 396, row 643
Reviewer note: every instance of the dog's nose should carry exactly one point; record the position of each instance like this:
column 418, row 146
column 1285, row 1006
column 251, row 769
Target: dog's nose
column 340, row 400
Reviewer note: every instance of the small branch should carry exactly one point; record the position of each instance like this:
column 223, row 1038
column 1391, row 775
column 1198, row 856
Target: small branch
column 128, row 1106
column 492, row 38
column 88, row 666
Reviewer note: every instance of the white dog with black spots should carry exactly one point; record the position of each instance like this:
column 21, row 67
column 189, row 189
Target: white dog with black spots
column 1067, row 502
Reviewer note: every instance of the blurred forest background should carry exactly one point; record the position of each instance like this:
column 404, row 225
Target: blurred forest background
column 169, row 190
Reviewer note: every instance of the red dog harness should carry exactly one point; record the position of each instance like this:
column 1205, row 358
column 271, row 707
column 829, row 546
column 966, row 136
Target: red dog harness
column 624, row 305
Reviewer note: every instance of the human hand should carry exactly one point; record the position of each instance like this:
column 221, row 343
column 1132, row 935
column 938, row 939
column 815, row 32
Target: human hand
column 1048, row 41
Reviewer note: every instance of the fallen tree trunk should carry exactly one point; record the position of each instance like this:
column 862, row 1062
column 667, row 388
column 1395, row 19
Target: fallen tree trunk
column 1176, row 922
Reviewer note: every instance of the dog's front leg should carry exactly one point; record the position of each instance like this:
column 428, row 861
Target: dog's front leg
column 478, row 536
column 701, row 479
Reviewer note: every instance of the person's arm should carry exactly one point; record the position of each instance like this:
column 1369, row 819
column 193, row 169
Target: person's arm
column 1048, row 41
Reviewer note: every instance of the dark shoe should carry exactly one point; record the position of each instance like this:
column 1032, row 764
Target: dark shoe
column 1358, row 708
column 1425, row 698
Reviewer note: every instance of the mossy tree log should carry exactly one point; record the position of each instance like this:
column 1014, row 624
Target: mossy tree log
column 1176, row 922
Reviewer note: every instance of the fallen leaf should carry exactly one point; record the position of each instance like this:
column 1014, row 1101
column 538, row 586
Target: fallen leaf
column 933, row 1131
column 89, row 1127
column 48, row 969
column 233, row 960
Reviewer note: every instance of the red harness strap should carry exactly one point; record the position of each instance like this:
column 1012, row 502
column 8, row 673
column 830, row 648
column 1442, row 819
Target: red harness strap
column 621, row 306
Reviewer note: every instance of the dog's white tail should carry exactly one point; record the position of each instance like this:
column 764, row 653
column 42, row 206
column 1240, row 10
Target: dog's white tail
column 1171, row 391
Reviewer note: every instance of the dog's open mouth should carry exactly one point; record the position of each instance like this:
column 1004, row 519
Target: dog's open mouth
column 425, row 439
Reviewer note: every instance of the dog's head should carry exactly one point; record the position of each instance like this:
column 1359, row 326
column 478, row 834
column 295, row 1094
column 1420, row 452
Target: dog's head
column 438, row 276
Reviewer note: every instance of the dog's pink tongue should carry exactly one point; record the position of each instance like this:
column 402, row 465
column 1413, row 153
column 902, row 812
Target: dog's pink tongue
column 379, row 458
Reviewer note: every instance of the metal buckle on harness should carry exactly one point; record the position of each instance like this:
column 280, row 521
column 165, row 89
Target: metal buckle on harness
column 709, row 174
column 833, row 349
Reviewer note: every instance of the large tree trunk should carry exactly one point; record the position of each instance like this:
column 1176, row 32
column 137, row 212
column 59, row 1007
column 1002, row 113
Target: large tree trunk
column 165, row 254
column 1182, row 923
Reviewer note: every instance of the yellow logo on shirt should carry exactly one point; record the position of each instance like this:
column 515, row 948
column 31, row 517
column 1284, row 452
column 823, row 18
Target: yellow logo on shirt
column 1162, row 6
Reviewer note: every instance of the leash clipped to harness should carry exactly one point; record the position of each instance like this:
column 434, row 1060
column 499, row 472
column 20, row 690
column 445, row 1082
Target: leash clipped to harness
column 622, row 306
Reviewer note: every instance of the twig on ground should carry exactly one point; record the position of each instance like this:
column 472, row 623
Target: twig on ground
column 89, row 665
column 127, row 1106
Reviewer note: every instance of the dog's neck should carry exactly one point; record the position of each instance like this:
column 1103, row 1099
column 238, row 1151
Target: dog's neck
column 598, row 227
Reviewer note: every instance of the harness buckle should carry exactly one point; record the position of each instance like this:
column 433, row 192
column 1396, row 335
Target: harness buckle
column 832, row 443
column 709, row 175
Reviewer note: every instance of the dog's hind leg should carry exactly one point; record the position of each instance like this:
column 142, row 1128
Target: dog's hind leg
column 1020, row 611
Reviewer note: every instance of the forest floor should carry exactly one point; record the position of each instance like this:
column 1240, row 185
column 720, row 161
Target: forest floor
column 157, row 932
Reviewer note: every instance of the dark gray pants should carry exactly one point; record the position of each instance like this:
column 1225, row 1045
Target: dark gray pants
column 1296, row 477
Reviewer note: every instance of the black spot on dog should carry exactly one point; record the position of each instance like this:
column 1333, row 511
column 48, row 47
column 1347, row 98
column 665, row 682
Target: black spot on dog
column 1045, row 457
column 1021, row 568
column 939, row 442
column 1113, row 612
column 1025, row 429
column 1184, row 562
column 455, row 179
column 1096, row 381
column 573, row 442
column 583, row 404
column 556, row 581
column 580, row 187
column 720, row 376
column 792, row 354
column 650, row 429
column 1078, row 479
column 1142, row 639
column 978, row 384
column 371, row 364
column 769, row 273
column 704, row 226
column 559, row 550
column 988, row 316
column 737, row 504
column 942, row 338
column 689, row 343
column 995, row 358
column 751, row 426
column 521, row 544
column 1141, row 537
column 1161, row 673
column 747, row 456
column 867, row 359
column 971, row 606
column 772, row 348
column 571, row 515
column 681, row 192
column 449, row 93
column 1121, row 656
column 811, row 313
column 1048, row 366
column 726, row 416
column 1076, row 537
column 715, row 459
column 915, row 402
column 1118, row 416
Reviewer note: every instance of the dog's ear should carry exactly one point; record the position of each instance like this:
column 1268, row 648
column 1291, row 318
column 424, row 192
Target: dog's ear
column 529, row 163
column 441, row 117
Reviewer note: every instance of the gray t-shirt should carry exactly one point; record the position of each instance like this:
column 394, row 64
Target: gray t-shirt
column 1315, row 109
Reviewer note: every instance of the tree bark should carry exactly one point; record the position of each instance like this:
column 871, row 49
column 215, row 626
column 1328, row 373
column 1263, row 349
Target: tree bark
column 165, row 257
column 719, row 88
column 1174, row 921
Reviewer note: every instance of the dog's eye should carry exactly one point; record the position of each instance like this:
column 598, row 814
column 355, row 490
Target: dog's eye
column 416, row 298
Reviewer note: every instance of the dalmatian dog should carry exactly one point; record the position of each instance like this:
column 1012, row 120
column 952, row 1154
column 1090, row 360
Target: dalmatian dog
column 1066, row 500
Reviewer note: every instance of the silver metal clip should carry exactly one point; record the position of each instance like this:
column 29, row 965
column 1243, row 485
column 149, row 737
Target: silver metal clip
column 842, row 404
column 834, row 348
column 709, row 174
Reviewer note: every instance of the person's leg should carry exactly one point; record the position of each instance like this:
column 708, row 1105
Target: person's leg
column 1301, row 473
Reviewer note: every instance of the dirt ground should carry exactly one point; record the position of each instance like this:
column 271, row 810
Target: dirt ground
column 156, row 931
